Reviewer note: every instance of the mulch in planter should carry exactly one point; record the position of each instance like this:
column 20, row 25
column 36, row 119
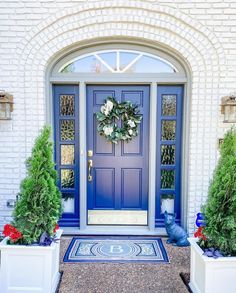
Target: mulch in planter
column 186, row 279
column 59, row 283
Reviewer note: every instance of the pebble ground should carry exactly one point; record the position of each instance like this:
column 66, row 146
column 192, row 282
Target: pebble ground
column 126, row 277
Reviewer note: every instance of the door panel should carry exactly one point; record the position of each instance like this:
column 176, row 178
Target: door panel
column 101, row 148
column 104, row 187
column 134, row 147
column 120, row 172
column 131, row 182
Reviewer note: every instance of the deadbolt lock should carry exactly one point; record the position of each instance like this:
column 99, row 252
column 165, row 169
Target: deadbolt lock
column 90, row 153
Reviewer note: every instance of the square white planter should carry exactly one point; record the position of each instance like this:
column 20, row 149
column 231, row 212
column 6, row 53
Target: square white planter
column 29, row 268
column 209, row 275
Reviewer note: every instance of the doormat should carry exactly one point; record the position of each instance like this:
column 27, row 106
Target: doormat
column 122, row 249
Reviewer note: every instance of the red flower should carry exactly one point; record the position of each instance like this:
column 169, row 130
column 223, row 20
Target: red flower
column 12, row 232
column 56, row 228
column 199, row 234
column 7, row 230
column 16, row 236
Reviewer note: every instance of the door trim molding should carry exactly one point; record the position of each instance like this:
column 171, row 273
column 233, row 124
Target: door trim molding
column 152, row 157
column 136, row 78
column 83, row 157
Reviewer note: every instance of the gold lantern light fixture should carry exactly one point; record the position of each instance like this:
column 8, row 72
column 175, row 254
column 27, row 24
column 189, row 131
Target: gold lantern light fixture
column 6, row 105
column 228, row 108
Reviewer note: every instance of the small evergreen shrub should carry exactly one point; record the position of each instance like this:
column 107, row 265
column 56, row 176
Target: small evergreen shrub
column 39, row 205
column 220, row 208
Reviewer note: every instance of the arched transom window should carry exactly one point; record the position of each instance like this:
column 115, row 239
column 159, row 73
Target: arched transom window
column 118, row 61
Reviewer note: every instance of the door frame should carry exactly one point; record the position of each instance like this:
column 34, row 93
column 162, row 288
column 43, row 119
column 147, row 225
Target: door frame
column 96, row 229
column 153, row 82
column 183, row 77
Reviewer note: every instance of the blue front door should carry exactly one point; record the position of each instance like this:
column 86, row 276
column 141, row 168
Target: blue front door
column 119, row 172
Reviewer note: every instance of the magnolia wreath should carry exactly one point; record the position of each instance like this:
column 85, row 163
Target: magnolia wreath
column 110, row 112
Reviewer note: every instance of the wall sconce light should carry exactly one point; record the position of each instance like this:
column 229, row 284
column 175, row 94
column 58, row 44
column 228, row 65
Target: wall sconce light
column 228, row 108
column 6, row 105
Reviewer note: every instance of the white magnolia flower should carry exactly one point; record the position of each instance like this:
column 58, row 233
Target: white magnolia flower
column 106, row 109
column 107, row 130
column 131, row 123
column 106, row 112
column 109, row 105
column 130, row 131
column 103, row 108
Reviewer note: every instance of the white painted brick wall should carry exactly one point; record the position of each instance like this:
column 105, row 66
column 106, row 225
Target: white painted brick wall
column 33, row 31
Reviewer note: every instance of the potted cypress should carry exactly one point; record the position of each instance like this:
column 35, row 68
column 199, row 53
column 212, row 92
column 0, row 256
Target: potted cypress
column 213, row 252
column 30, row 250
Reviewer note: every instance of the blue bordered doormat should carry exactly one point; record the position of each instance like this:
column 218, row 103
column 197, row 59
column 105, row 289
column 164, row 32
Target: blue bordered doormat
column 129, row 249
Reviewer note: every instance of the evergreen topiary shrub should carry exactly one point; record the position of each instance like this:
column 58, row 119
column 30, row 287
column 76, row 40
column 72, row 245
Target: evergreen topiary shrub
column 39, row 205
column 220, row 208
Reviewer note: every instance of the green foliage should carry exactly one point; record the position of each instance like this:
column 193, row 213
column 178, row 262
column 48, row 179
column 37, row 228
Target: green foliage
column 39, row 206
column 220, row 209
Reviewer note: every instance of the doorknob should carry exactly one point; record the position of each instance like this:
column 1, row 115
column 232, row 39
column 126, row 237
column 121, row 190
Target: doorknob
column 90, row 165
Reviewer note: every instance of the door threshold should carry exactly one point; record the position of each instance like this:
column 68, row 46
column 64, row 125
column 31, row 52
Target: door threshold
column 106, row 230
column 117, row 217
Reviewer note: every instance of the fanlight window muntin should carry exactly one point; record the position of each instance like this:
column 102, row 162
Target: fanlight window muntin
column 118, row 61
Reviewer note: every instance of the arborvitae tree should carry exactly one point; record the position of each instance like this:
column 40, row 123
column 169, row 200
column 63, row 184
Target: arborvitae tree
column 39, row 205
column 220, row 208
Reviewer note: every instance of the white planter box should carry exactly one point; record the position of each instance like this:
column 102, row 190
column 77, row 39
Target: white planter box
column 209, row 275
column 29, row 268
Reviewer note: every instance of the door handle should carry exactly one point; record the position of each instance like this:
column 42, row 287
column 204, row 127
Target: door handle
column 90, row 165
